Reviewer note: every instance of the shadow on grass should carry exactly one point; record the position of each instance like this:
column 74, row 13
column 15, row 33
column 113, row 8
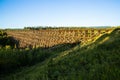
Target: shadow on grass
column 11, row 60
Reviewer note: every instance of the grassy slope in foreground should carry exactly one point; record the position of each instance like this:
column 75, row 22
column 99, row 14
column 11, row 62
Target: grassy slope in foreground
column 97, row 61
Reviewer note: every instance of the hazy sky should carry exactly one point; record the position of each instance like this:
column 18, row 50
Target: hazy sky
column 21, row 13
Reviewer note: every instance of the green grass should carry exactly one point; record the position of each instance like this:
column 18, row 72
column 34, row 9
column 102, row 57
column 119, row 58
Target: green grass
column 92, row 62
column 99, row 60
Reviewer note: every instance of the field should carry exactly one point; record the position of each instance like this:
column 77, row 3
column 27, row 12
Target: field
column 52, row 37
column 59, row 54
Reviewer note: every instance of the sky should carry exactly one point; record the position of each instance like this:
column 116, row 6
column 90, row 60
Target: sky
column 23, row 13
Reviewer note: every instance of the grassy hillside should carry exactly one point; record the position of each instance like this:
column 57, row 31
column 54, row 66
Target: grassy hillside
column 13, row 60
column 99, row 60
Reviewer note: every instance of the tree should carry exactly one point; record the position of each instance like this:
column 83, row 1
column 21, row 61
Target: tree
column 5, row 40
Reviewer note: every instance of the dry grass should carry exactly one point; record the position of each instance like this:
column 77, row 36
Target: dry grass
column 48, row 38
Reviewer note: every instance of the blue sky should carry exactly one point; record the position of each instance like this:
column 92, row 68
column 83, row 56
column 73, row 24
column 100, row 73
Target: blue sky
column 21, row 13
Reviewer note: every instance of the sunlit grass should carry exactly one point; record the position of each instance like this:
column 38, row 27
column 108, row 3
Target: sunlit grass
column 104, row 40
column 98, row 60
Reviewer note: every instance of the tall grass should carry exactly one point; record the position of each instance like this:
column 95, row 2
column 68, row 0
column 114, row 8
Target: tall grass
column 102, row 62
column 13, row 59
column 91, row 62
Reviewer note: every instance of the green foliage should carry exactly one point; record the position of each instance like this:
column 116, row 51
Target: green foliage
column 7, row 40
column 3, row 34
column 99, row 63
column 13, row 59
column 92, row 62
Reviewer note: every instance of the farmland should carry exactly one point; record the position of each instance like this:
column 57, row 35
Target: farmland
column 52, row 37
